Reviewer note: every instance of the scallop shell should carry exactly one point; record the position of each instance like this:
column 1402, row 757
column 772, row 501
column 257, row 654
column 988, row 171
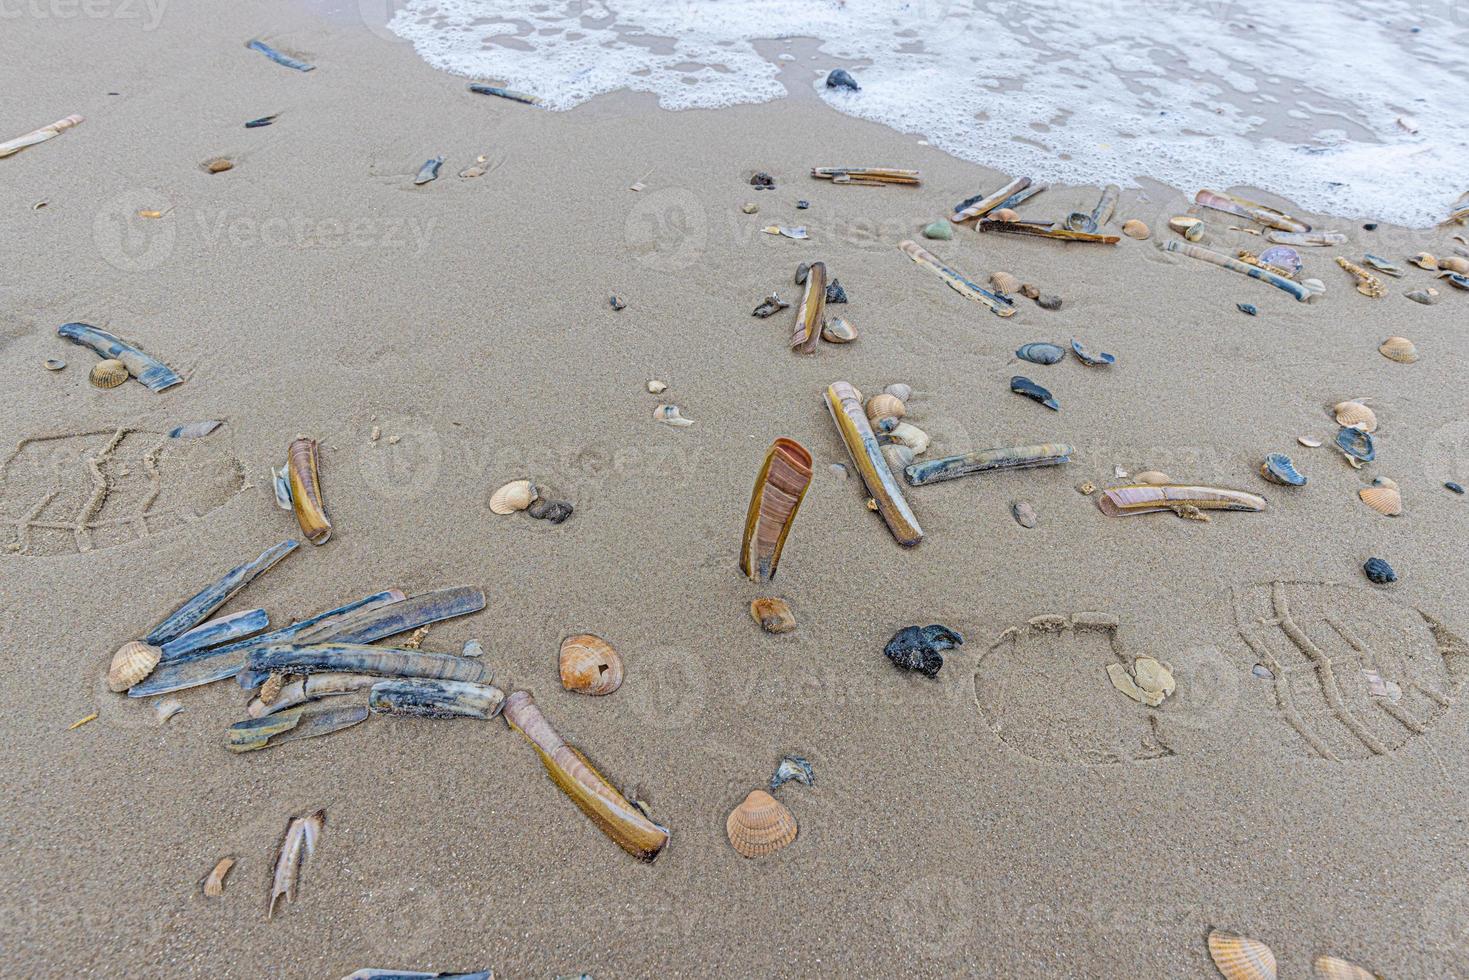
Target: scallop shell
column 885, row 406
column 1425, row 261
column 1335, row 968
column 214, row 884
column 1154, row 477
column 589, row 665
column 1383, row 497
column 760, row 825
column 1136, row 229
column 1241, row 958
column 1004, row 282
column 513, row 496
column 1399, row 349
column 899, row 391
column 132, row 662
column 1455, row 264
column 108, row 374
column 1355, row 415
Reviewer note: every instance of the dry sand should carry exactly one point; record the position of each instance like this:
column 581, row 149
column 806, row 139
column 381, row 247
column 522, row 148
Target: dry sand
column 313, row 289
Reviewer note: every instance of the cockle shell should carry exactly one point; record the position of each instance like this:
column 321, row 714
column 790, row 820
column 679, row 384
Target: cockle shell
column 1335, row 968
column 838, row 331
column 1004, row 282
column 132, row 662
column 760, row 825
column 773, row 615
column 1355, row 415
column 900, row 391
column 1136, row 229
column 589, row 665
column 1399, row 349
column 1241, row 958
column 1280, row 468
column 108, row 374
column 1004, row 214
column 214, row 884
column 513, row 496
column 1155, row 477
column 1423, row 260
column 1384, row 497
column 885, row 406
column 670, row 415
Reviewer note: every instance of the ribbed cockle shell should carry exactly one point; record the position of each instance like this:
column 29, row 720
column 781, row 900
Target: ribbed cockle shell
column 1241, row 958
column 132, row 662
column 513, row 496
column 108, row 374
column 1336, row 968
column 760, row 825
column 1384, row 497
column 1355, row 415
column 589, row 665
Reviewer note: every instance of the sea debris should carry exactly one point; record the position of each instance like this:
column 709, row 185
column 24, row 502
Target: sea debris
column 762, row 181
column 780, row 486
column 909, row 435
column 616, row 302
column 835, row 293
column 429, row 171
column 1185, row 500
column 262, row 122
column 773, row 615
column 1279, row 468
column 1382, row 265
column 1314, row 239
column 802, row 205
column 214, row 882
column 1399, row 349
column 998, row 304
column 481, row 166
column 1099, row 359
column 670, row 415
column 421, row 697
column 362, row 658
column 303, row 689
column 750, row 207
column 1383, row 496
column 278, row 57
column 479, row 88
column 1284, row 258
column 656, row 387
column 302, row 484
column 1300, row 291
column 770, row 306
column 843, row 402
column 1248, row 309
column 302, row 833
column 1040, row 353
column 1453, row 487
column 1425, row 260
column 866, row 175
column 550, row 511
column 1355, row 415
column 148, row 370
column 760, row 825
column 1367, row 284
column 369, row 973
column 792, row 769
column 1357, row 444
column 1146, row 681
column 920, row 648
column 987, row 461
column 1044, row 229
column 1022, row 385
column 1310, row 442
column 194, row 430
column 838, row 331
column 1188, row 226
column 292, row 724
column 1024, row 513
column 11, row 147
column 1241, row 958
column 942, row 231
column 54, row 364
column 812, row 312
column 166, row 708
column 798, row 232
column 1100, row 215
column 82, row 721
column 627, row 825
column 513, row 496
column 1379, row 571
column 1260, row 213
column 108, row 373
column 589, row 665
column 982, row 204
column 1136, row 229
column 1048, row 301
column 1250, row 258
column 841, row 78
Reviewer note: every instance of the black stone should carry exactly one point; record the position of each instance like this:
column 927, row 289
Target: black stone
column 1379, row 571
column 841, row 78
column 554, row 511
column 917, row 648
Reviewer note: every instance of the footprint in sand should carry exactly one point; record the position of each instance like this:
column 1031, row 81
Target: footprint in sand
column 1351, row 672
column 84, row 491
column 1043, row 689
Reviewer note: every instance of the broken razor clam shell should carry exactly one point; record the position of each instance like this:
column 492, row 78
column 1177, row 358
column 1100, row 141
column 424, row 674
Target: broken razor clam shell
column 513, row 496
column 997, row 303
column 1022, row 385
column 214, row 883
column 194, row 430
column 773, row 615
column 864, row 175
column 1188, row 226
column 627, row 825
column 792, row 769
column 1302, row 292
column 770, row 306
column 841, row 78
column 1100, row 215
column 1382, row 265
column 589, row 665
column 305, row 489
column 1147, row 681
column 311, row 688
column 982, row 204
column 1100, row 359
column 920, row 648
column 670, row 415
column 425, row 698
column 1044, row 229
column 843, row 402
column 262, row 121
column 429, row 171
column 1283, row 257
column 1040, row 353
column 1315, row 239
column 1279, row 468
column 278, row 57
column 11, row 147
column 147, row 369
column 299, row 843
column 838, row 331
column 291, row 725
column 1253, row 210
column 812, row 312
column 1181, row 499
column 798, row 232
column 780, row 486
column 1357, row 444
column 1247, row 308
column 987, row 460
column 479, row 88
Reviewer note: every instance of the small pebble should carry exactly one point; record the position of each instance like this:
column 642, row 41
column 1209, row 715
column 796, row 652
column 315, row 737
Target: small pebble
column 1379, row 571
column 841, row 78
column 1046, row 301
column 54, row 364
column 750, row 207
column 616, row 302
column 657, row 387
column 1246, row 308
column 762, row 181
column 803, row 205
column 377, row 433
column 1451, row 485
column 1025, row 514
column 1370, row 226
column 554, row 511
column 942, row 231
column 1262, row 672
column 393, row 440
column 835, row 293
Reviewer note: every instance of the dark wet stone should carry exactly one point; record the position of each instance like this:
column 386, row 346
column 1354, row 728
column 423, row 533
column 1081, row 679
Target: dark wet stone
column 554, row 511
column 841, row 78
column 835, row 293
column 1379, row 571
column 917, row 648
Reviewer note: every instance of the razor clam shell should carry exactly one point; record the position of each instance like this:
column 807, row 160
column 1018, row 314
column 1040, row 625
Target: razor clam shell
column 479, row 88
column 422, row 698
column 361, row 658
column 1020, row 197
column 216, row 594
column 866, row 175
column 845, row 406
column 10, row 147
column 1044, row 229
column 988, row 460
column 218, row 663
column 1301, row 292
column 194, row 430
column 292, row 725
column 311, row 688
column 298, row 843
column 302, row 464
column 998, row 304
column 370, row 973
column 779, row 489
column 980, row 205
column 1267, row 216
column 1150, row 498
column 278, row 57
column 811, row 313
column 147, row 369
column 620, row 820
column 216, row 631
column 1314, row 239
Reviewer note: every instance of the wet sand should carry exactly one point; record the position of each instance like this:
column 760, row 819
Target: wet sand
column 1006, row 819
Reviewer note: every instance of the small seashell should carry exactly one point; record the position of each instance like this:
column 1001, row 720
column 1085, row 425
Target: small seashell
column 218, row 165
column 1249, row 309
column 1099, row 359
column 762, row 180
column 1136, row 229
column 54, row 364
column 1241, row 958
column 1004, row 282
column 375, row 434
column 1455, row 264
column 271, row 689
column 670, row 415
column 793, row 769
column 1047, row 301
column 1425, row 261
column 1155, row 478
column 798, row 232
column 1399, row 349
column 1189, row 227
column 899, row 391
column 802, row 205
column 132, row 662
column 1357, row 444
column 939, row 230
column 801, row 272
column 1383, row 496
column 1003, row 214
column 1263, row 672
column 1024, row 513
column 921, row 648
column 750, row 207
column 616, row 302
column 1310, row 442
column 1040, row 353
column 1283, row 257
column 472, row 648
column 657, row 387
column 838, row 331
column 1022, row 385
column 1381, row 265
column 1355, row 415
column 1427, row 296
column 214, row 884
column 760, row 825
column 1147, row 681
column 910, row 436
column 1086, row 488
column 1379, row 571
column 513, row 496
column 1454, row 487
column 1335, row 968
column 1455, row 279
column 885, row 406
column 166, row 708
column 1030, row 290
column 108, row 374
column 773, row 615
column 1279, row 468
column 589, row 665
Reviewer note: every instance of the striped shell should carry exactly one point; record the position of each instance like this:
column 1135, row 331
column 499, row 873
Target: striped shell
column 132, row 662
column 1383, row 497
column 1153, row 477
column 1455, row 263
column 1335, row 968
column 589, row 665
column 108, row 374
column 214, row 884
column 885, row 406
column 1241, row 958
column 899, row 391
column 1399, row 349
column 1355, row 415
column 513, row 496
column 1004, row 282
column 760, row 825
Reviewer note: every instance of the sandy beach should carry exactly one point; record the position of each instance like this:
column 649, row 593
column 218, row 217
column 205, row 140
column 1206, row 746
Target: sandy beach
column 1014, row 817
